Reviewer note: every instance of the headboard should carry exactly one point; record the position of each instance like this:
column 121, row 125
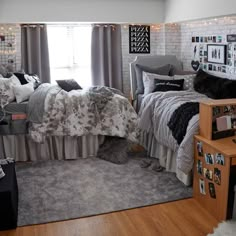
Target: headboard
column 150, row 60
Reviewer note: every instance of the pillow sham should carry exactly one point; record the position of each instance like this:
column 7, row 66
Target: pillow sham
column 188, row 81
column 6, row 89
column 149, row 81
column 23, row 92
column 168, row 85
column 68, row 84
column 5, row 69
column 163, row 70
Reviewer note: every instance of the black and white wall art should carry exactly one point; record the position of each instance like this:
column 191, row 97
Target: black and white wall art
column 139, row 39
column 216, row 53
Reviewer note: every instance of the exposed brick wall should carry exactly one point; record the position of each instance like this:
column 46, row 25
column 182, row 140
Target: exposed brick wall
column 178, row 38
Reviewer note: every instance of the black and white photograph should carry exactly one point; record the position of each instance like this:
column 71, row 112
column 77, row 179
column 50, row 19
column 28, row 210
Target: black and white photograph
column 202, row 186
column 219, row 158
column 199, row 148
column 199, row 167
column 209, row 39
column 209, row 66
column 216, row 53
column 223, row 69
column 209, row 158
column 212, row 190
column 217, row 176
column 208, row 174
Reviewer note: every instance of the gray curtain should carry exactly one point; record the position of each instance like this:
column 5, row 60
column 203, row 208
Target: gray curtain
column 34, row 50
column 106, row 56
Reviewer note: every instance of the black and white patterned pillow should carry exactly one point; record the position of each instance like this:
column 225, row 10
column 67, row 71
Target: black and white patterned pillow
column 68, row 84
column 188, row 81
column 168, row 85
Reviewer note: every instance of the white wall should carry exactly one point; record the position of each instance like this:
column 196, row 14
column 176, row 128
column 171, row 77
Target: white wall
column 137, row 11
column 182, row 10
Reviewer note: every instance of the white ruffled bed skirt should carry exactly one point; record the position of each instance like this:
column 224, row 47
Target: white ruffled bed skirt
column 166, row 156
column 22, row 148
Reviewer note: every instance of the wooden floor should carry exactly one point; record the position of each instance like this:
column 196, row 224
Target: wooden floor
column 179, row 218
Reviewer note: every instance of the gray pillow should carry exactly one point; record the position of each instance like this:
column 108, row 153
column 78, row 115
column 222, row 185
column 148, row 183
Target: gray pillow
column 175, row 71
column 163, row 70
column 68, row 84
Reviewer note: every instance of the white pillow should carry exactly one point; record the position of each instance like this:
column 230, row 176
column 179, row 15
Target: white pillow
column 149, row 81
column 7, row 93
column 188, row 81
column 23, row 92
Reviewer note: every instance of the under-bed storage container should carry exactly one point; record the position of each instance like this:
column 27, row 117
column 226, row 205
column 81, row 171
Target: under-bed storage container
column 12, row 127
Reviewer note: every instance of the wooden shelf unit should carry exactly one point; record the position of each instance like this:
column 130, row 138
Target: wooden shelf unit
column 207, row 118
column 215, row 175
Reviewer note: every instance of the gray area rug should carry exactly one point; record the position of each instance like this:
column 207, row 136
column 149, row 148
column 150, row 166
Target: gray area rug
column 59, row 190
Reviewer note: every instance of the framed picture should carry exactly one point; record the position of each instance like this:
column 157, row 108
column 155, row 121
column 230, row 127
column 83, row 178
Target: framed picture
column 216, row 53
column 139, row 39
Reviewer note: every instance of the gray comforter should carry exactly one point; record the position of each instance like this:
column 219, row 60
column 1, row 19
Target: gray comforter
column 96, row 111
column 154, row 115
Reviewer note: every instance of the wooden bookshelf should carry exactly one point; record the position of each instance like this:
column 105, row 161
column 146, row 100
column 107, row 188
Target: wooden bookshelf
column 212, row 109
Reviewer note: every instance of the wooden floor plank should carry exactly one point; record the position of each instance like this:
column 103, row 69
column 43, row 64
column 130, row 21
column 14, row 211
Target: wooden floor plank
column 179, row 218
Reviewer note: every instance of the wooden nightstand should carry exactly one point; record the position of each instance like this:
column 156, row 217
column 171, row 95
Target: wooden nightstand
column 215, row 175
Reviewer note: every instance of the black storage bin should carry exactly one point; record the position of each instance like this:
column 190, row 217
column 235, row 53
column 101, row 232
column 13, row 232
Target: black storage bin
column 8, row 198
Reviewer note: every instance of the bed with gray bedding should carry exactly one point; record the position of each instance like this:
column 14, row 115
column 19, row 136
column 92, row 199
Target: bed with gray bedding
column 155, row 112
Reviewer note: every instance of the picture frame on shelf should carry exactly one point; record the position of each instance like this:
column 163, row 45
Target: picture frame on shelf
column 216, row 53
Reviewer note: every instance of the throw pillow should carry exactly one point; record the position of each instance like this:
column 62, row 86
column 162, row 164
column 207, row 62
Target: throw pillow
column 149, row 81
column 23, row 92
column 188, row 80
column 168, row 85
column 68, row 84
column 163, row 70
column 6, row 89
column 213, row 86
column 21, row 77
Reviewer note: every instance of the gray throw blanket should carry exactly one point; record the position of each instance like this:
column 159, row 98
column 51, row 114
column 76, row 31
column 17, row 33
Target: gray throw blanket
column 36, row 102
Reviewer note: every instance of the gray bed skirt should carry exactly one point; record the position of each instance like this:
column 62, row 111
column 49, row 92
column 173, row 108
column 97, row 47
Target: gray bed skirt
column 22, row 148
column 166, row 156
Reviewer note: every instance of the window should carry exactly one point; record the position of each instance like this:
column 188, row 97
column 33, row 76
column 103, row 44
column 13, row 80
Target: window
column 70, row 53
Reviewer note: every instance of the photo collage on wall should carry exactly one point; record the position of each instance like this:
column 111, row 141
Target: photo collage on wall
column 7, row 49
column 209, row 171
column 213, row 53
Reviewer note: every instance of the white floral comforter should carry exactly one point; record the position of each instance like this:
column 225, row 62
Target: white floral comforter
column 96, row 111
